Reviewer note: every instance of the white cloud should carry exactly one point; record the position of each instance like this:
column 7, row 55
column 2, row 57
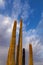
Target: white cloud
column 6, row 22
column 6, row 28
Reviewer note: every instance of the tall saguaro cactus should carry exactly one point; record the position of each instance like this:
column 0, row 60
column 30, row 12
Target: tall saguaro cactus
column 30, row 55
column 20, row 44
column 11, row 52
column 19, row 51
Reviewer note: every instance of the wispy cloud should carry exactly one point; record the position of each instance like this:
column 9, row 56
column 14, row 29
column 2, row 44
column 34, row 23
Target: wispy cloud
column 22, row 10
column 40, row 28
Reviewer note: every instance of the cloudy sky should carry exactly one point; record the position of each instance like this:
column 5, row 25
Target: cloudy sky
column 31, row 12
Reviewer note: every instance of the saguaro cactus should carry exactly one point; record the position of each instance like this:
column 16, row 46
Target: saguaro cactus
column 20, row 44
column 19, row 51
column 11, row 52
column 23, row 60
column 30, row 55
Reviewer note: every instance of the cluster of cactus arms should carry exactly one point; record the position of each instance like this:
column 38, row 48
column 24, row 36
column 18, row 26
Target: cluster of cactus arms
column 20, row 52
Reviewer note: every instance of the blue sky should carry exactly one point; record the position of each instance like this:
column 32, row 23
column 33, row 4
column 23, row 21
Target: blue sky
column 31, row 13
